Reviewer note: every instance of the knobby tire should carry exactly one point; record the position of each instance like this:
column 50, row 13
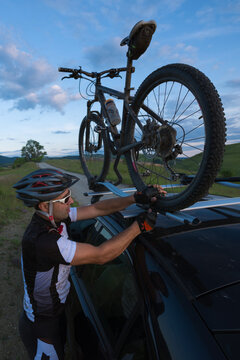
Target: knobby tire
column 206, row 117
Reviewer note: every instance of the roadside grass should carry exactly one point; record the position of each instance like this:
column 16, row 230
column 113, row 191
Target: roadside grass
column 10, row 207
column 75, row 166
column 216, row 189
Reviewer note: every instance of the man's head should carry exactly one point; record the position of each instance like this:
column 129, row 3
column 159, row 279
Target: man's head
column 60, row 206
column 43, row 189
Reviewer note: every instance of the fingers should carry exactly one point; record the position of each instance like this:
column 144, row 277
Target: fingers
column 160, row 189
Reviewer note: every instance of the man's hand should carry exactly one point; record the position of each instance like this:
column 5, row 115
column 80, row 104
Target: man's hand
column 149, row 194
column 146, row 220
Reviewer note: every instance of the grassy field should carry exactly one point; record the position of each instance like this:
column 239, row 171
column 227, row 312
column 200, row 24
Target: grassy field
column 230, row 167
column 75, row 166
column 10, row 207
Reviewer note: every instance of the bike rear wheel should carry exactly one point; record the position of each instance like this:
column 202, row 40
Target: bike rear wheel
column 190, row 115
column 93, row 149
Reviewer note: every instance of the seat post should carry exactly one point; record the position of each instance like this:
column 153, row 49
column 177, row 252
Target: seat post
column 127, row 90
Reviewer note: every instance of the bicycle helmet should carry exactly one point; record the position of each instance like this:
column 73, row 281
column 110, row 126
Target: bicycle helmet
column 43, row 185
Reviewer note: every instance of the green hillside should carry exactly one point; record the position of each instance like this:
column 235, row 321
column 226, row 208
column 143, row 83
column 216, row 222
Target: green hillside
column 230, row 166
column 231, row 159
column 5, row 161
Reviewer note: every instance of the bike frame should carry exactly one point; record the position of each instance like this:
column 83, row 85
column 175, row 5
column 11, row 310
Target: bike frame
column 118, row 145
column 119, row 139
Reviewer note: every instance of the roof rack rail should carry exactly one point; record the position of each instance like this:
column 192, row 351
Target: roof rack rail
column 180, row 216
column 228, row 181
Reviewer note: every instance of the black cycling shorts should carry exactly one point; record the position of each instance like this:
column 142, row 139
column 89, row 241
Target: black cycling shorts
column 54, row 330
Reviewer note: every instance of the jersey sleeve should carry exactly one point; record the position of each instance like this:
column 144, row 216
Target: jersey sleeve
column 67, row 248
column 73, row 214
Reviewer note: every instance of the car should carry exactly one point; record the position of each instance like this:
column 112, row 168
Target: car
column 173, row 294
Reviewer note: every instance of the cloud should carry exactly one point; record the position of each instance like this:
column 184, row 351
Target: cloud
column 212, row 32
column 27, row 81
column 11, row 153
column 62, row 152
column 21, row 74
column 231, row 102
column 235, row 83
column 107, row 54
column 64, row 7
column 53, row 97
column 25, row 119
column 233, row 123
column 61, row 132
column 181, row 52
column 150, row 9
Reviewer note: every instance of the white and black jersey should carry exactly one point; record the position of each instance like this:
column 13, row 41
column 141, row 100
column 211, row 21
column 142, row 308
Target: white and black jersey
column 46, row 257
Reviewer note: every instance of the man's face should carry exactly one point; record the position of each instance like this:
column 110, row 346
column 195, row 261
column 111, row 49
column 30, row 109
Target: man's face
column 61, row 210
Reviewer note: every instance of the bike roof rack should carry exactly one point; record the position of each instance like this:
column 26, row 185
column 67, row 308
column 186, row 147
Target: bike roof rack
column 181, row 215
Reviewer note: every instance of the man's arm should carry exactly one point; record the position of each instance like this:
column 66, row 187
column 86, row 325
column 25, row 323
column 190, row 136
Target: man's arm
column 104, row 207
column 110, row 206
column 107, row 251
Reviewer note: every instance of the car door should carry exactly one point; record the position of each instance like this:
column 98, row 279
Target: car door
column 109, row 321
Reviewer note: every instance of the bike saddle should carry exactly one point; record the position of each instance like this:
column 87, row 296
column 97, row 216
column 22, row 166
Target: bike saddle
column 139, row 38
column 137, row 27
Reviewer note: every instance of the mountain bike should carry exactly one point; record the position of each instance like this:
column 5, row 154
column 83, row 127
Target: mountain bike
column 172, row 132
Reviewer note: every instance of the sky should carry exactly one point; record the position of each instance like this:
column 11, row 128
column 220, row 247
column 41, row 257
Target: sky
column 37, row 37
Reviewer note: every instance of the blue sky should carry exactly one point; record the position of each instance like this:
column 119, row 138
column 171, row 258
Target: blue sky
column 36, row 37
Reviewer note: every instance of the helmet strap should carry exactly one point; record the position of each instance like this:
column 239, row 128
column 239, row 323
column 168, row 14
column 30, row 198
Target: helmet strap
column 49, row 215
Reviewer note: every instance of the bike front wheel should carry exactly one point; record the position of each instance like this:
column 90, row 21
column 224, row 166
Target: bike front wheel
column 93, row 149
column 180, row 127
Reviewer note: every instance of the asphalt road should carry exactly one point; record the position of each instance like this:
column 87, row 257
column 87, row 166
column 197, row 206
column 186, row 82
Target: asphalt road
column 79, row 188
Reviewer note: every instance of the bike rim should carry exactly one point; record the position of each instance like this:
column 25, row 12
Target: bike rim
column 177, row 104
column 93, row 153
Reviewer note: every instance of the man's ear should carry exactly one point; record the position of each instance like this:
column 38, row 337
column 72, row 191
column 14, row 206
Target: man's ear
column 43, row 206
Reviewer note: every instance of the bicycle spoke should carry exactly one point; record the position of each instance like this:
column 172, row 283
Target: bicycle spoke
column 197, row 138
column 152, row 171
column 186, row 117
column 178, row 107
column 194, row 147
column 196, row 127
column 166, row 98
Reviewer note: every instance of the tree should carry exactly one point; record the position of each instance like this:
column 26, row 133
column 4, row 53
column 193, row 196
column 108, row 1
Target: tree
column 33, row 151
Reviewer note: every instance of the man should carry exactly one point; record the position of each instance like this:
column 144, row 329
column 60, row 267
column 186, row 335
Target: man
column 48, row 253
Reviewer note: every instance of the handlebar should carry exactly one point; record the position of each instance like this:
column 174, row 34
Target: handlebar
column 76, row 73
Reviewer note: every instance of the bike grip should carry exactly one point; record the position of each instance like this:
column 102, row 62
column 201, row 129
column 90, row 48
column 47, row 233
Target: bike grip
column 61, row 69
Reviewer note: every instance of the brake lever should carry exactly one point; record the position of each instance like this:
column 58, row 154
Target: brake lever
column 113, row 74
column 66, row 77
column 74, row 75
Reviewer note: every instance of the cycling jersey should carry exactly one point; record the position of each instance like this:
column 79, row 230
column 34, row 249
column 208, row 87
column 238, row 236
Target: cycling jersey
column 46, row 256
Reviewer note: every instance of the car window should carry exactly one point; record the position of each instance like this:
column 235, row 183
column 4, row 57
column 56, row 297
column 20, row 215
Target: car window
column 115, row 297
column 204, row 259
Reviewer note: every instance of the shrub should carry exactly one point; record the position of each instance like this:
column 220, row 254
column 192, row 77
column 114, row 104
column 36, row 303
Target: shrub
column 226, row 173
column 18, row 162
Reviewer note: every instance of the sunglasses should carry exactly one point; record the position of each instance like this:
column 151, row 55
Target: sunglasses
column 64, row 200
